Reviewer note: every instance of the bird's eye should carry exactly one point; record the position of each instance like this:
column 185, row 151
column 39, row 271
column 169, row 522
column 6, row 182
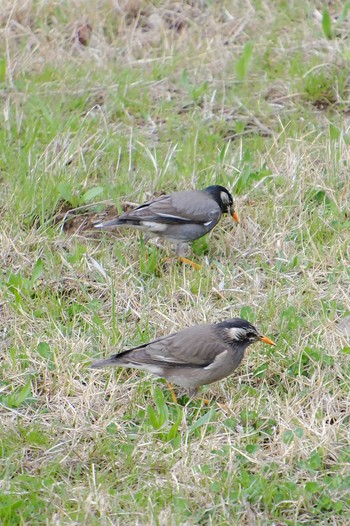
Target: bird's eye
column 251, row 335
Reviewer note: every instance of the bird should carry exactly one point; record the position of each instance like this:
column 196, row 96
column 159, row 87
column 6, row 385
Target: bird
column 179, row 217
column 196, row 356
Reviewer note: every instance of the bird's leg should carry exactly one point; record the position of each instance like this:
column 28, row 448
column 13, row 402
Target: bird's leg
column 193, row 392
column 180, row 251
column 172, row 392
column 184, row 260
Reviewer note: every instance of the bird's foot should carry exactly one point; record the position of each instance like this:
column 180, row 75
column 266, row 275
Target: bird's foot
column 189, row 262
column 183, row 260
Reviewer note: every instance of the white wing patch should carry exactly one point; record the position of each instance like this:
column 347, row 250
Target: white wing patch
column 163, row 358
column 219, row 359
column 172, row 216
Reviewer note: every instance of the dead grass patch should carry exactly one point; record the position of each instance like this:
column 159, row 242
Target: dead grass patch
column 142, row 98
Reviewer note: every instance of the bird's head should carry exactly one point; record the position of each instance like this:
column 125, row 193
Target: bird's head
column 224, row 199
column 238, row 330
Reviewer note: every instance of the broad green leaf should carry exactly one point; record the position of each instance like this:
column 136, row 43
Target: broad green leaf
column 92, row 193
column 344, row 13
column 65, row 192
column 37, row 270
column 203, row 420
column 3, row 66
column 252, row 448
column 153, row 418
column 326, row 23
column 299, row 432
column 261, row 370
column 334, row 132
column 243, row 64
column 18, row 397
column 44, row 350
column 161, row 405
column 315, row 460
column 175, row 427
column 312, row 487
column 247, row 177
column 288, row 437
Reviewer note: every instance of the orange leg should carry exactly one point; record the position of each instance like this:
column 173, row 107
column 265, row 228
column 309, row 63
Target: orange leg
column 186, row 261
column 172, row 392
column 189, row 262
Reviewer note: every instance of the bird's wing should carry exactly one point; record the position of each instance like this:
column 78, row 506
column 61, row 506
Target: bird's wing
column 177, row 208
column 197, row 346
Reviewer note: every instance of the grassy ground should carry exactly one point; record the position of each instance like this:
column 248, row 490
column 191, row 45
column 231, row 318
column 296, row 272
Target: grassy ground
column 105, row 103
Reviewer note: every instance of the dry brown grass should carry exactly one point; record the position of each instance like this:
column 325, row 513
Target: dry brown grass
column 112, row 95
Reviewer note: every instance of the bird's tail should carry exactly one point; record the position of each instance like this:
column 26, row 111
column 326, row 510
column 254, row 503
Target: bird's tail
column 112, row 222
column 108, row 362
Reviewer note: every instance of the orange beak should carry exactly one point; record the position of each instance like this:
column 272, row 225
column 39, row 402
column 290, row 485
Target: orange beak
column 235, row 216
column 267, row 340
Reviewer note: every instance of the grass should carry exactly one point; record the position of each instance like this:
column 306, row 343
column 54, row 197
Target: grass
column 147, row 98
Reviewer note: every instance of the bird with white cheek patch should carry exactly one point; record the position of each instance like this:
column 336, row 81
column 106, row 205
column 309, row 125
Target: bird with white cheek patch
column 196, row 356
